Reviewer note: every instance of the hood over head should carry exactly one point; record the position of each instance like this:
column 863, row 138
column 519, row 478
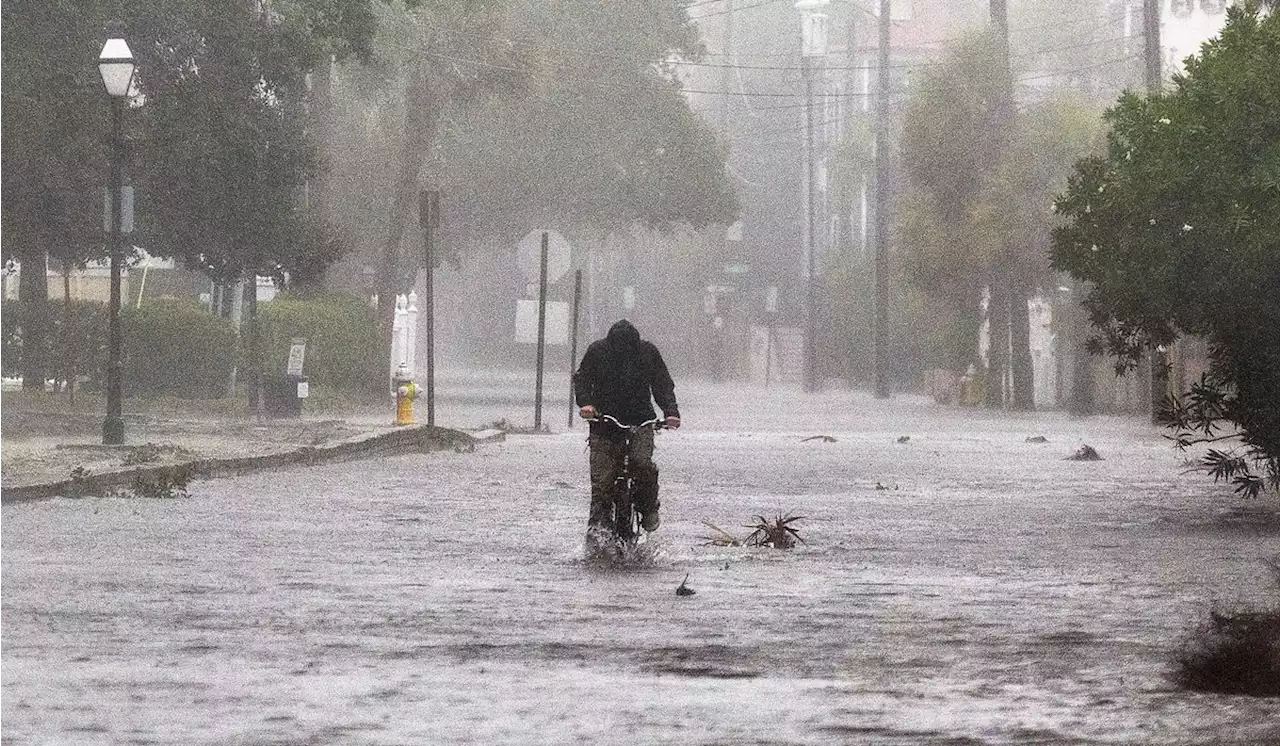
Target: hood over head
column 622, row 335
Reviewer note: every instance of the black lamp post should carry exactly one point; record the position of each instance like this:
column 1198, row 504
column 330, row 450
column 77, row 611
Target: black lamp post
column 115, row 63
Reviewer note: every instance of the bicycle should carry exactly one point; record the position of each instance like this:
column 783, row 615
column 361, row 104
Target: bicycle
column 623, row 523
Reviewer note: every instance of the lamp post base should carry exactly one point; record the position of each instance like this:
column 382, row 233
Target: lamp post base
column 113, row 431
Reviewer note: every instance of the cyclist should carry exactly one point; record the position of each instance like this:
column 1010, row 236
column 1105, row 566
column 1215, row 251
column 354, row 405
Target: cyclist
column 622, row 375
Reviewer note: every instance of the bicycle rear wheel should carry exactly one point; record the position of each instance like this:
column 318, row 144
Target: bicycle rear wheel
column 626, row 519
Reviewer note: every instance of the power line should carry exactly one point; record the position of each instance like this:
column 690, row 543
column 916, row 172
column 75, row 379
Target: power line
column 751, row 94
column 597, row 54
column 899, row 66
column 897, row 101
column 760, row 4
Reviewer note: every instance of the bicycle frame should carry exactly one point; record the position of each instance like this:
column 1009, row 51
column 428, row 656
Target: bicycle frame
column 626, row 522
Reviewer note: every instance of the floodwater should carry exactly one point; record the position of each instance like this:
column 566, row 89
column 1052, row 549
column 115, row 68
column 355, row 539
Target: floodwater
column 961, row 587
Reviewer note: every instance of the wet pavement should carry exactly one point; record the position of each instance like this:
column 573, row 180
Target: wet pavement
column 962, row 587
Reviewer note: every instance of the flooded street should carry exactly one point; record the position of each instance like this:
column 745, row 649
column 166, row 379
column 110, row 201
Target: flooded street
column 962, row 587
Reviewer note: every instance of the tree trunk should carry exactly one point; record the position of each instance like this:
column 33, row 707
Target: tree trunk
column 1081, row 399
column 33, row 290
column 67, row 339
column 1020, row 346
column 255, row 346
column 419, row 133
column 998, row 337
column 321, row 121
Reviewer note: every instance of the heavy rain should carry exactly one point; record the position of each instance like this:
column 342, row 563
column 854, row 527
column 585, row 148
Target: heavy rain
column 957, row 352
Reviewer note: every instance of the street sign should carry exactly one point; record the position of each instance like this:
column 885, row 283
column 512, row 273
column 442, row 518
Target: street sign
column 529, row 252
column 297, row 353
column 557, row 331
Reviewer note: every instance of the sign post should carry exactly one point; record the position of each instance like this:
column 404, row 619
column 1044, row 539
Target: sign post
column 542, row 331
column 429, row 220
column 573, row 338
column 544, row 256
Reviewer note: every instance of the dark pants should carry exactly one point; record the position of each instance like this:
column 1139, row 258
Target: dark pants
column 606, row 463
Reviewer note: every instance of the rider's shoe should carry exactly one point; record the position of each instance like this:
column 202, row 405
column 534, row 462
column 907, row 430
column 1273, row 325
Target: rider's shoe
column 649, row 521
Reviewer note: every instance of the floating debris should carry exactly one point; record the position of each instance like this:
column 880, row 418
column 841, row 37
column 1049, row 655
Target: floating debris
column 1037, row 439
column 719, row 537
column 1085, row 453
column 823, row 438
column 904, row 438
column 776, row 533
column 684, row 590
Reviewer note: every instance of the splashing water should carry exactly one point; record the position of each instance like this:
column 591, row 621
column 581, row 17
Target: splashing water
column 603, row 549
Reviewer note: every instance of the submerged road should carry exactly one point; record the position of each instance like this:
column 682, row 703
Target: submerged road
column 962, row 587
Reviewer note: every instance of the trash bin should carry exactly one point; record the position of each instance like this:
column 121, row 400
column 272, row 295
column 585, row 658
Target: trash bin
column 282, row 395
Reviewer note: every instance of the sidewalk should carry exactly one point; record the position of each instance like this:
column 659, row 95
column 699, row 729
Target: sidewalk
column 49, row 450
column 45, row 439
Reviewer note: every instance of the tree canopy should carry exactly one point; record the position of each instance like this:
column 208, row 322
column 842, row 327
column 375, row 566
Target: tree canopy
column 1177, row 230
column 601, row 135
column 982, row 186
column 561, row 111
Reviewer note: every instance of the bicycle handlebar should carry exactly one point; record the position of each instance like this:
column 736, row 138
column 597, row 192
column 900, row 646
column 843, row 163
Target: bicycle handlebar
column 657, row 423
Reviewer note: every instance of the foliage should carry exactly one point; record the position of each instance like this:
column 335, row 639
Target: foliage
column 74, row 342
column 981, row 186
column 776, row 533
column 79, row 481
column 163, row 484
column 924, row 331
column 1234, row 652
column 1207, row 415
column 344, row 350
column 1177, row 229
column 225, row 152
column 54, row 151
column 559, row 113
column 176, row 347
column 718, row 537
column 228, row 154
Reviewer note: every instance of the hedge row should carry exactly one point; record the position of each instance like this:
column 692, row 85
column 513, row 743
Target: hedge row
column 177, row 348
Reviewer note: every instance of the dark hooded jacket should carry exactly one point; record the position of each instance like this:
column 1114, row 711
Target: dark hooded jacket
column 622, row 375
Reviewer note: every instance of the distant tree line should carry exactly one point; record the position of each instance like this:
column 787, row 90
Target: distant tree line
column 260, row 125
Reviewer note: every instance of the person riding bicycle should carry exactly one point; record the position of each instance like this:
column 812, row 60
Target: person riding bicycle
column 622, row 375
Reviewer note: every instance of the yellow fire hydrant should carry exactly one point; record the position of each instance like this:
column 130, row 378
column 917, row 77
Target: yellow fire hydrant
column 406, row 392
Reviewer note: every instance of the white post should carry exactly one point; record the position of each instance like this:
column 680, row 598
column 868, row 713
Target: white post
column 411, row 333
column 397, row 340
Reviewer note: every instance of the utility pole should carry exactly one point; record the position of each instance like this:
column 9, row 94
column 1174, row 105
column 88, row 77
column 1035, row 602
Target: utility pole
column 1014, row 315
column 880, row 275
column 1153, row 79
column 813, row 45
column 727, row 71
column 810, row 197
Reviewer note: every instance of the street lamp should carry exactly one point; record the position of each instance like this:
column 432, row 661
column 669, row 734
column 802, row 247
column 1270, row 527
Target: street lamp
column 813, row 46
column 116, row 66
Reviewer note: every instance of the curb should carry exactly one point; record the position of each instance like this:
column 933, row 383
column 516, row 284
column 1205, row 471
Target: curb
column 421, row 438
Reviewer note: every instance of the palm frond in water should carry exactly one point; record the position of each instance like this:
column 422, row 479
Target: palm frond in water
column 777, row 533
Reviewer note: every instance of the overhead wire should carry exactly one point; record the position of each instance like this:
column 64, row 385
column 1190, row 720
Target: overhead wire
column 726, row 11
column 682, row 88
column 597, row 54
column 898, row 100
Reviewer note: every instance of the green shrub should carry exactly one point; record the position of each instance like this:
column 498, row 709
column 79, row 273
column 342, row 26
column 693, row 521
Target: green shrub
column 80, row 339
column 177, row 347
column 1236, row 652
column 76, row 343
column 345, row 349
column 10, row 341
